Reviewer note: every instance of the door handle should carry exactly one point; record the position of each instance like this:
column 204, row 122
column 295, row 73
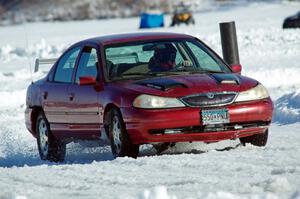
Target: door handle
column 45, row 95
column 71, row 96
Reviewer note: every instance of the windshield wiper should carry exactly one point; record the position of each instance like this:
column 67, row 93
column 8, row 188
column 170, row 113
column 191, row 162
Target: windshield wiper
column 141, row 75
column 171, row 72
column 195, row 70
column 213, row 71
column 187, row 69
column 190, row 70
column 138, row 74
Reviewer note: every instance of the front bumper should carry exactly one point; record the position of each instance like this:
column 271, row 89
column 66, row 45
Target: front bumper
column 148, row 126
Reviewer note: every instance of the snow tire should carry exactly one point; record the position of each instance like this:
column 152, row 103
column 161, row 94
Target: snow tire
column 256, row 140
column 49, row 147
column 121, row 145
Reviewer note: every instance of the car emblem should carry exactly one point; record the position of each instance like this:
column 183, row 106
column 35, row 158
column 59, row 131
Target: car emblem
column 210, row 95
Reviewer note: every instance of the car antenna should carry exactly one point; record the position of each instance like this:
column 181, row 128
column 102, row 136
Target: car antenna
column 27, row 42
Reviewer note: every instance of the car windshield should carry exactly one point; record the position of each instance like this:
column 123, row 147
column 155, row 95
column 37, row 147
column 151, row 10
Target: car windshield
column 143, row 60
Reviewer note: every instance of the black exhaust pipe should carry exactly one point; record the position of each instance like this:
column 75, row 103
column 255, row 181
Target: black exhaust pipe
column 229, row 43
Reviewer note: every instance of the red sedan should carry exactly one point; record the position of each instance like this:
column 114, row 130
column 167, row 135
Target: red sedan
column 133, row 89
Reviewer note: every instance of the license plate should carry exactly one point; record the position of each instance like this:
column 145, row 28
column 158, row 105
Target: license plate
column 215, row 116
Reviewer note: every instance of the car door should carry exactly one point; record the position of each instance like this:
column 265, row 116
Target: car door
column 54, row 93
column 84, row 106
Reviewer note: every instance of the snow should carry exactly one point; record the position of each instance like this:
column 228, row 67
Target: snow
column 188, row 170
column 288, row 108
column 159, row 192
column 241, row 172
column 65, row 10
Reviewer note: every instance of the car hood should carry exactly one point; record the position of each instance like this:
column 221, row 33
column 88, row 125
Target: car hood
column 183, row 85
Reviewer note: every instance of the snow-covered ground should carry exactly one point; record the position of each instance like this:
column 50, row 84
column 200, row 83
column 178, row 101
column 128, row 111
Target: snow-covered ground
column 222, row 170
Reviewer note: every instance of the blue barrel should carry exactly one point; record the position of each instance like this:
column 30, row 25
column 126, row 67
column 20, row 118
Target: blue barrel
column 151, row 20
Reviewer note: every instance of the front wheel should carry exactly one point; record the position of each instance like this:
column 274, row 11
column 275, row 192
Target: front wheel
column 121, row 145
column 49, row 147
column 257, row 139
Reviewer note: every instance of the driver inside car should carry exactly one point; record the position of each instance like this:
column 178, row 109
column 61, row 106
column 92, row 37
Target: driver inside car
column 163, row 58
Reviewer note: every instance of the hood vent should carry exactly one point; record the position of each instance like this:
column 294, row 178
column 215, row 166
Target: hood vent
column 226, row 78
column 229, row 82
column 161, row 84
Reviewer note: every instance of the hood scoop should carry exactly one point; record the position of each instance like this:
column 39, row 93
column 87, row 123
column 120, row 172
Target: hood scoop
column 162, row 84
column 226, row 78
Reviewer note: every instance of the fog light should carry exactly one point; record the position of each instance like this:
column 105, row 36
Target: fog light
column 172, row 131
column 238, row 127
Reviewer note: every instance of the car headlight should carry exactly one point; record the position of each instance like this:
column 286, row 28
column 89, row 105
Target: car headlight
column 152, row 102
column 256, row 93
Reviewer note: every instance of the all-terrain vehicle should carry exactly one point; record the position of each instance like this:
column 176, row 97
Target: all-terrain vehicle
column 182, row 14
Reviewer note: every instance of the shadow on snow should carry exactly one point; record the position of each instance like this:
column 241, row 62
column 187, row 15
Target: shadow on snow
column 78, row 154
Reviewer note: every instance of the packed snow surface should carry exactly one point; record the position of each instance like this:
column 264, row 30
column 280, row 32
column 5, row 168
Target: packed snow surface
column 189, row 170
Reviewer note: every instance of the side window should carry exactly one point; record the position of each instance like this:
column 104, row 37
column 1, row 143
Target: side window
column 87, row 64
column 66, row 65
column 179, row 58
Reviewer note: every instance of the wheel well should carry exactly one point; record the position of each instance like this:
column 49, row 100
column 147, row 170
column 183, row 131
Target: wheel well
column 35, row 113
column 107, row 109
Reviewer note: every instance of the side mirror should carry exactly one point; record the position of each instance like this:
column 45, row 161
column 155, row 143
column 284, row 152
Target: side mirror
column 87, row 80
column 236, row 68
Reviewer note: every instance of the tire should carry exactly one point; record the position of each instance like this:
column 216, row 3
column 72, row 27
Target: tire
column 284, row 26
column 192, row 20
column 121, row 145
column 49, row 147
column 174, row 23
column 256, row 140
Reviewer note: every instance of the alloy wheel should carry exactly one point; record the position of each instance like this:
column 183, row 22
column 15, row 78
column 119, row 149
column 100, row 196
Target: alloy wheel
column 43, row 137
column 116, row 131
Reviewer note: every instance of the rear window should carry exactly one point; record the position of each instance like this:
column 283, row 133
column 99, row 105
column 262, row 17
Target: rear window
column 66, row 66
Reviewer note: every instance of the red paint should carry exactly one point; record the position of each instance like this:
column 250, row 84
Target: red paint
column 140, row 122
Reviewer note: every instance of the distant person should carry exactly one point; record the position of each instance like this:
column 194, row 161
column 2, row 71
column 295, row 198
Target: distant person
column 163, row 58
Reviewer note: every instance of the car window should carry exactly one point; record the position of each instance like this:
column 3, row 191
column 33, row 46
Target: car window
column 204, row 60
column 66, row 65
column 133, row 54
column 87, row 65
column 141, row 60
column 128, row 54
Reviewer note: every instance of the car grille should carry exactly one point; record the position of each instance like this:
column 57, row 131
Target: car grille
column 209, row 99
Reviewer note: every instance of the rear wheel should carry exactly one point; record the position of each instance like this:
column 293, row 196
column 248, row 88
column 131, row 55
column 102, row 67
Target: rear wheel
column 121, row 145
column 256, row 140
column 192, row 20
column 189, row 21
column 49, row 147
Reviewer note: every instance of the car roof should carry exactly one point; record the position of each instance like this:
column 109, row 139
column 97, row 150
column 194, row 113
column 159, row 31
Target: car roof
column 131, row 37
